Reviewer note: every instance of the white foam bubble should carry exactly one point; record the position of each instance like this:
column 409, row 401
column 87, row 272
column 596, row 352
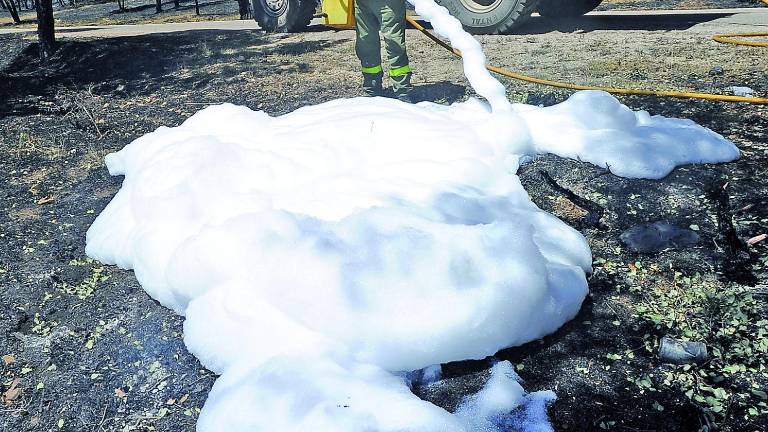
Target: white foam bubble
column 503, row 405
column 595, row 127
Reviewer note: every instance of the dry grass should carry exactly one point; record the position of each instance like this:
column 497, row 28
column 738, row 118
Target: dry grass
column 25, row 214
column 157, row 19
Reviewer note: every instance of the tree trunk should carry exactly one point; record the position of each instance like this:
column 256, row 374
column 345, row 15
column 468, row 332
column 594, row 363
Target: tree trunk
column 45, row 34
column 243, row 5
column 197, row 8
column 175, row 4
column 8, row 4
column 158, row 6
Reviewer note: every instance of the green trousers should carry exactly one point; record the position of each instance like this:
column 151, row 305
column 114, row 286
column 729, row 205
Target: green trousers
column 388, row 18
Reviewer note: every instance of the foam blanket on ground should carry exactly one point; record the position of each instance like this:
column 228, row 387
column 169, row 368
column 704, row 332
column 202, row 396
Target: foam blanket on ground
column 317, row 253
column 320, row 254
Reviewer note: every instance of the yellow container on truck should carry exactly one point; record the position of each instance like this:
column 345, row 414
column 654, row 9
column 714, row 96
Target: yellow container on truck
column 339, row 14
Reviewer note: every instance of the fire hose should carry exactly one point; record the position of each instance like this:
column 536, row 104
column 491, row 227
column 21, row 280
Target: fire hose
column 730, row 38
column 722, row 38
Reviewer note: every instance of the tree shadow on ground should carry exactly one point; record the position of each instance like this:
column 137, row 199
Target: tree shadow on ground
column 141, row 65
column 588, row 23
column 439, row 92
column 318, row 28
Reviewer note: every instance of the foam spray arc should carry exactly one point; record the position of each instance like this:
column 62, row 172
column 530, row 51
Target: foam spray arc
column 313, row 268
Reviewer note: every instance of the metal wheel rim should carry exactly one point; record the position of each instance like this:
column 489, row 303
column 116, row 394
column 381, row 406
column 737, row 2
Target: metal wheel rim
column 481, row 6
column 274, row 8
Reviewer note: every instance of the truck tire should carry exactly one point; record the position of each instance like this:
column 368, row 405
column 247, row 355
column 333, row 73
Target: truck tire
column 283, row 16
column 566, row 8
column 490, row 16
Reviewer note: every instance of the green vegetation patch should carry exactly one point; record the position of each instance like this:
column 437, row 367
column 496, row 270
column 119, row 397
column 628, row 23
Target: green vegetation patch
column 85, row 288
column 731, row 320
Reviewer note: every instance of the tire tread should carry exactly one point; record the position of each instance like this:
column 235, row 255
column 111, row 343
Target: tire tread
column 307, row 9
column 300, row 14
column 526, row 8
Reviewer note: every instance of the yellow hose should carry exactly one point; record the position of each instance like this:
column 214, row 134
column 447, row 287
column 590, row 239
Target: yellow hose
column 729, row 38
column 613, row 90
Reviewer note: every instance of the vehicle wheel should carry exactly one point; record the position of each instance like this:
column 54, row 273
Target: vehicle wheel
column 283, row 15
column 566, row 8
column 490, row 16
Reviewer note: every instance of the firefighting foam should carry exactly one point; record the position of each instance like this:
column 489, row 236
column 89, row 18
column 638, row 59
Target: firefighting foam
column 315, row 258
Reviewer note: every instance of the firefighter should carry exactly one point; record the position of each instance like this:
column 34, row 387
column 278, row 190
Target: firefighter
column 388, row 18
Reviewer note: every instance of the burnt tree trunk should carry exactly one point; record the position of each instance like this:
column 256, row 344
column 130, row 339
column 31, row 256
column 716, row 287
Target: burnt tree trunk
column 245, row 11
column 8, row 4
column 158, row 6
column 197, row 8
column 45, row 34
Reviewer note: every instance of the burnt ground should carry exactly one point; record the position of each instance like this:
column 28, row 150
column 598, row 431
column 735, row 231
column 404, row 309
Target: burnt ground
column 103, row 12
column 84, row 348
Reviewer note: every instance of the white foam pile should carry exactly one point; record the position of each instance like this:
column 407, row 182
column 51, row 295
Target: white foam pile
column 318, row 253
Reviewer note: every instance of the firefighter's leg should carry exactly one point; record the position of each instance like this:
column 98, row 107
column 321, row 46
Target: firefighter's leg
column 368, row 45
column 393, row 31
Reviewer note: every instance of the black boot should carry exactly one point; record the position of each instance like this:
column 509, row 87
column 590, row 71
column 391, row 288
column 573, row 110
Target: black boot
column 372, row 84
column 402, row 87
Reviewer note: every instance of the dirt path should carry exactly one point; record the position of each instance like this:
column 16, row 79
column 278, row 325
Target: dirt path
column 91, row 350
column 140, row 29
column 717, row 20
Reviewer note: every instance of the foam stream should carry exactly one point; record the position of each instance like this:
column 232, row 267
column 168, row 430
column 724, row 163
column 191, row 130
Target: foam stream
column 473, row 57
